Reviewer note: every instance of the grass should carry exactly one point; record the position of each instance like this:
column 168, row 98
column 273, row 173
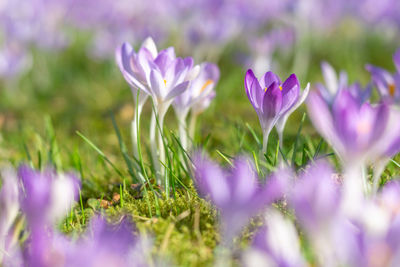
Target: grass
column 74, row 113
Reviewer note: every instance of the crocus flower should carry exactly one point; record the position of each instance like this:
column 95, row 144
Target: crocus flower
column 197, row 97
column 46, row 196
column 125, row 55
column 103, row 244
column 108, row 245
column 237, row 193
column 388, row 84
column 351, row 128
column 271, row 99
column 333, row 83
column 9, row 208
column 316, row 197
column 275, row 244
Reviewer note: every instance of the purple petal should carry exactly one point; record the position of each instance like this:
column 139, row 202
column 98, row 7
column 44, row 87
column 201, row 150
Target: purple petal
column 272, row 102
column 177, row 90
column 268, row 79
column 321, row 118
column 123, row 55
column 157, row 84
column 211, row 180
column 346, row 119
column 380, row 120
column 253, row 90
column 290, row 93
column 163, row 61
column 243, row 181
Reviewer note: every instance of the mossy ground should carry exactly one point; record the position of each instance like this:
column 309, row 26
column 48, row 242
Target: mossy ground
column 68, row 92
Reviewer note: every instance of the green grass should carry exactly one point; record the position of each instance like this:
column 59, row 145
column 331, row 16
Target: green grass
column 74, row 113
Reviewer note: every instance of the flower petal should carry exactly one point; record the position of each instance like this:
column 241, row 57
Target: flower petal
column 150, row 46
column 157, row 85
column 211, row 180
column 290, row 93
column 177, row 90
column 253, row 90
column 272, row 102
column 268, row 79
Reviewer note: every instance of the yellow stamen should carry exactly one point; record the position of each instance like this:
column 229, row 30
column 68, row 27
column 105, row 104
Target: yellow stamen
column 392, row 89
column 280, row 88
column 207, row 83
column 265, row 89
column 165, row 82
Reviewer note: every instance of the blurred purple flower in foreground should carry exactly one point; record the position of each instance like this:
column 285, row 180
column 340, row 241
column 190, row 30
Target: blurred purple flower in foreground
column 388, row 84
column 108, row 245
column 272, row 100
column 275, row 244
column 350, row 127
column 360, row 133
column 236, row 193
column 103, row 244
column 46, row 196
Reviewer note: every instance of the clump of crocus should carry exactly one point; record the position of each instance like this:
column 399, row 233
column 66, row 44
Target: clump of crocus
column 388, row 84
column 196, row 98
column 163, row 77
column 237, row 193
column 273, row 101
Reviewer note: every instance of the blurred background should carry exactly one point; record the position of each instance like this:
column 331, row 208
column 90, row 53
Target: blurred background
column 57, row 58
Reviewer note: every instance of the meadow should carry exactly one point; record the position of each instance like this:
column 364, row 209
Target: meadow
column 76, row 192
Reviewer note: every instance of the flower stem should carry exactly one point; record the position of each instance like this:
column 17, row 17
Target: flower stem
column 153, row 143
column 134, row 131
column 183, row 132
column 192, row 125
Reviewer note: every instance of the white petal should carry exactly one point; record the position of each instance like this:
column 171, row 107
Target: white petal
column 151, row 46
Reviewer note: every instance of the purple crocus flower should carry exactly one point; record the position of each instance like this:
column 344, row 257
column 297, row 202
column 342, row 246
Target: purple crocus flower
column 334, row 83
column 316, row 197
column 197, row 97
column 275, row 244
column 103, row 244
column 108, row 245
column 351, row 128
column 46, row 196
column 271, row 99
column 388, row 84
column 125, row 55
column 236, row 193
column 317, row 200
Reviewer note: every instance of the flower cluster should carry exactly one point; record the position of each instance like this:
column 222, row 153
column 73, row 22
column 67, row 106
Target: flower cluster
column 167, row 80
